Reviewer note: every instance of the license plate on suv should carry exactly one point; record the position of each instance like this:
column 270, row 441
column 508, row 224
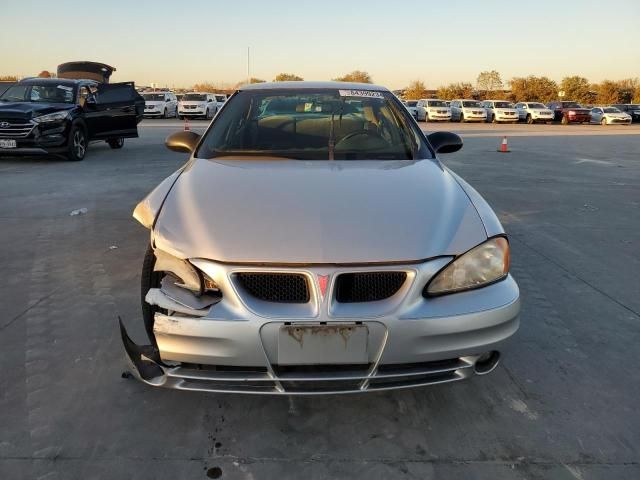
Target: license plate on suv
column 8, row 144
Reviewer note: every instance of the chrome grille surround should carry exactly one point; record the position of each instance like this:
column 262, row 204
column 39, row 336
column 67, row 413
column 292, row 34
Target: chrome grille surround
column 13, row 129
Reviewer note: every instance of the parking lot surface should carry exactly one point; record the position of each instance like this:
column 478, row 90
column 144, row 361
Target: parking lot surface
column 562, row 405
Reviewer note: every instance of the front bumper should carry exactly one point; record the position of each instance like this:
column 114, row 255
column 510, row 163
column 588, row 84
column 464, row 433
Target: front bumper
column 411, row 342
column 579, row 118
column 41, row 140
column 507, row 118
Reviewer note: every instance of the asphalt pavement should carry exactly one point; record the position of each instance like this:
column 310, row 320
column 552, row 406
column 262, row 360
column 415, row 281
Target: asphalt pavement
column 562, row 405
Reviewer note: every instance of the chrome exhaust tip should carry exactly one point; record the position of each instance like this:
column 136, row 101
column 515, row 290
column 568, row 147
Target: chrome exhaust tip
column 487, row 362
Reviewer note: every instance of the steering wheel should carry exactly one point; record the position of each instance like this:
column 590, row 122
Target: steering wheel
column 368, row 133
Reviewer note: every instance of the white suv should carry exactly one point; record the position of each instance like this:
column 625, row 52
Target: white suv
column 432, row 110
column 532, row 112
column 198, row 104
column 160, row 104
column 500, row 111
column 465, row 110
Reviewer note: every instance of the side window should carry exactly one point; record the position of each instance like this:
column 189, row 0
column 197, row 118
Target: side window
column 114, row 93
column 83, row 93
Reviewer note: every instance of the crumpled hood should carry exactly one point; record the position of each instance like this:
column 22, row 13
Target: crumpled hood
column 289, row 211
column 28, row 110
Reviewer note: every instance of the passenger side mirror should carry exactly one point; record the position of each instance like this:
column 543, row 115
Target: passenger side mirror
column 184, row 142
column 445, row 142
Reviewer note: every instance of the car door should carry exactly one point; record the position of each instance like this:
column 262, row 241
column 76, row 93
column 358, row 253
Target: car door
column 596, row 115
column 118, row 106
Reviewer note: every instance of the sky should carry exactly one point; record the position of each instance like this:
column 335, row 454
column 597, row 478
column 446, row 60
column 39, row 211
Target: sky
column 177, row 44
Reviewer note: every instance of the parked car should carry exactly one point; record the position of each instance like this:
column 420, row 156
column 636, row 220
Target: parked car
column 160, row 104
column 335, row 297
column 500, row 111
column 432, row 110
column 221, row 98
column 532, row 112
column 197, row 104
column 609, row 116
column 412, row 107
column 630, row 108
column 467, row 111
column 61, row 116
column 569, row 112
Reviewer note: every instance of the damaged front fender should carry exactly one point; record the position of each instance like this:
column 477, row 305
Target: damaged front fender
column 147, row 210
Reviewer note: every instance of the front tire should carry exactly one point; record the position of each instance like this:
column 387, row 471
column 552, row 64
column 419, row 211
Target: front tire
column 116, row 143
column 603, row 122
column 77, row 144
column 149, row 279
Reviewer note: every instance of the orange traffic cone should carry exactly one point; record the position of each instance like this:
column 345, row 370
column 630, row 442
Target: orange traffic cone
column 504, row 148
column 186, row 124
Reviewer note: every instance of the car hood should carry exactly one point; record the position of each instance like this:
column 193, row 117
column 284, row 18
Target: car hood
column 28, row 110
column 289, row 211
column 155, row 103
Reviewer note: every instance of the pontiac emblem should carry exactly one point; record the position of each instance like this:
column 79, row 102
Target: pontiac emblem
column 323, row 280
column 5, row 124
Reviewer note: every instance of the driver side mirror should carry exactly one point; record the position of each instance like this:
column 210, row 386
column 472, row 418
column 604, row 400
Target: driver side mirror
column 445, row 142
column 184, row 142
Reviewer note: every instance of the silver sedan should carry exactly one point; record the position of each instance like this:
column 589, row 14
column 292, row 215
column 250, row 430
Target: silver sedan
column 314, row 243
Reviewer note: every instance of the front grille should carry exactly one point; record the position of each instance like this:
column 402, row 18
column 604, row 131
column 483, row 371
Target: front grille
column 15, row 130
column 368, row 287
column 275, row 287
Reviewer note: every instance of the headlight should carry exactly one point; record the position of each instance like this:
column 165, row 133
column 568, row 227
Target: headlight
column 52, row 117
column 185, row 275
column 487, row 263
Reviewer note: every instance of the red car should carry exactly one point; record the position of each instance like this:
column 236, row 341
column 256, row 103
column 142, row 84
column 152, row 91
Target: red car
column 569, row 112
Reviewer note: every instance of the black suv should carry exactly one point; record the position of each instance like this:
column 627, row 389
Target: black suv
column 61, row 116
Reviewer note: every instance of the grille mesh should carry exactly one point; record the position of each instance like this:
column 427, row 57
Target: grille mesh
column 368, row 287
column 276, row 287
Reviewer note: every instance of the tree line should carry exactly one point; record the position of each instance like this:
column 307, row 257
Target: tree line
column 489, row 85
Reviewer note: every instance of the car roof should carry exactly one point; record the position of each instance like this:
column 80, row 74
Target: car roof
column 57, row 81
column 313, row 85
column 497, row 100
column 433, row 99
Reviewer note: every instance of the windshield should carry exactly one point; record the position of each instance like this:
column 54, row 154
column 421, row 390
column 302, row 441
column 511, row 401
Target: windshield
column 437, row 103
column 412, row 103
column 570, row 105
column 470, row 103
column 45, row 93
column 309, row 124
column 153, row 97
column 502, row 104
column 611, row 110
column 536, row 105
column 194, row 96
